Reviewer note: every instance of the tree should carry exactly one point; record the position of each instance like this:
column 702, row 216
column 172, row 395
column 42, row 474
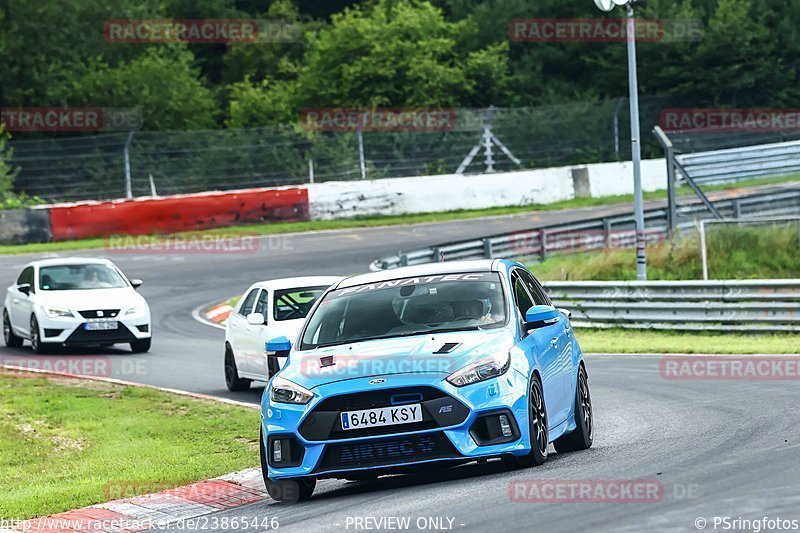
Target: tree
column 7, row 172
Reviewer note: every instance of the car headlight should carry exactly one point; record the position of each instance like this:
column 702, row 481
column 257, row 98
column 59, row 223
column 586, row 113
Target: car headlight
column 57, row 312
column 486, row 368
column 284, row 391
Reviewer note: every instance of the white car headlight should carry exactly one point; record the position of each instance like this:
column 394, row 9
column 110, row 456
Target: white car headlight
column 285, row 391
column 57, row 312
column 486, row 368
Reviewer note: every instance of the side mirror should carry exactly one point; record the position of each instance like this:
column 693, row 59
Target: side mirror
column 256, row 319
column 539, row 316
column 566, row 312
column 136, row 283
column 24, row 288
column 278, row 347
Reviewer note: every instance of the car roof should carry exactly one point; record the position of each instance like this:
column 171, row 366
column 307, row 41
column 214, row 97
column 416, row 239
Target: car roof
column 69, row 261
column 428, row 269
column 296, row 282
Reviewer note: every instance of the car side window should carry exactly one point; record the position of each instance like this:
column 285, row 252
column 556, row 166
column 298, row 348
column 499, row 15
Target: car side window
column 521, row 297
column 262, row 304
column 247, row 306
column 535, row 288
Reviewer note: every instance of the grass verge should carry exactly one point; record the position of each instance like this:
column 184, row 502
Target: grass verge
column 765, row 252
column 643, row 341
column 67, row 443
column 365, row 222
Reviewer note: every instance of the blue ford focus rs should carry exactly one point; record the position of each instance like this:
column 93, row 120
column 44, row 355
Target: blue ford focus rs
column 421, row 367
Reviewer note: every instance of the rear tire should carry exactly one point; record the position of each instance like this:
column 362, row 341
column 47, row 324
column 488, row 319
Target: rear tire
column 583, row 435
column 141, row 346
column 232, row 379
column 284, row 490
column 11, row 340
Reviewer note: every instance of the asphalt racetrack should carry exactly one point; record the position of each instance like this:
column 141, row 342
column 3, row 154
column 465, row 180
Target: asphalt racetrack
column 711, row 448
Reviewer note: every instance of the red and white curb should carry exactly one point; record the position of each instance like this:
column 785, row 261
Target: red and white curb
column 158, row 510
column 215, row 316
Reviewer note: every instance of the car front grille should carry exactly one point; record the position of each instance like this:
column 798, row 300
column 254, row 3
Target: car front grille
column 388, row 452
column 84, row 336
column 438, row 410
column 99, row 313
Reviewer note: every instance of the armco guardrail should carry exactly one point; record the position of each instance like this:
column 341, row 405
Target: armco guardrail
column 739, row 163
column 595, row 233
column 747, row 305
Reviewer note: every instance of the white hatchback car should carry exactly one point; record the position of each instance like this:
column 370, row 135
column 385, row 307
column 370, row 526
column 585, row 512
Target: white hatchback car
column 267, row 309
column 75, row 302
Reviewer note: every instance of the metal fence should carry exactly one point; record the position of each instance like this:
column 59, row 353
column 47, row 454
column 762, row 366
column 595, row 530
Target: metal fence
column 594, row 233
column 750, row 305
column 94, row 166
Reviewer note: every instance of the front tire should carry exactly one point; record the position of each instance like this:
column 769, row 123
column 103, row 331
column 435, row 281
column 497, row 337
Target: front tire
column 141, row 346
column 232, row 379
column 538, row 430
column 583, row 435
column 284, row 490
column 9, row 338
column 36, row 338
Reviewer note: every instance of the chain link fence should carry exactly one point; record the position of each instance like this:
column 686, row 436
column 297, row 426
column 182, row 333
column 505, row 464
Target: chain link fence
column 94, row 167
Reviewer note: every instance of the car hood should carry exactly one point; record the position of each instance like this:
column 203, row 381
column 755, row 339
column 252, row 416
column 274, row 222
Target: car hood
column 91, row 299
column 312, row 368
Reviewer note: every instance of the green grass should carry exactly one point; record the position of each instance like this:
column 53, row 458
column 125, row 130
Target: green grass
column 733, row 253
column 374, row 221
column 68, row 443
column 644, row 341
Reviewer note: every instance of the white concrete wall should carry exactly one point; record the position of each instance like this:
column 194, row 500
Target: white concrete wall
column 426, row 194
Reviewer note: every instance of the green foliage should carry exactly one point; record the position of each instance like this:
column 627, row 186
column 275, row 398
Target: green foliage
column 7, row 173
column 761, row 252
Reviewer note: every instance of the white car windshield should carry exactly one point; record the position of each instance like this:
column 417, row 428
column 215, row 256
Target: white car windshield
column 405, row 307
column 79, row 277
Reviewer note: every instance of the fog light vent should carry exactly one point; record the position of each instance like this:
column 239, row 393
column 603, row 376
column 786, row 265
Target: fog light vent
column 277, row 456
column 505, row 427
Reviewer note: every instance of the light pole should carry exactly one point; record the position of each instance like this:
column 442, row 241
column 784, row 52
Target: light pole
column 636, row 147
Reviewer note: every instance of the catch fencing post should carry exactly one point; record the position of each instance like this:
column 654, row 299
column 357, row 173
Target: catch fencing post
column 128, row 186
column 361, row 160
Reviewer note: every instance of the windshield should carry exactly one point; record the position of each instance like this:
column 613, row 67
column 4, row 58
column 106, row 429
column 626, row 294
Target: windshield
column 79, row 277
column 409, row 306
column 292, row 304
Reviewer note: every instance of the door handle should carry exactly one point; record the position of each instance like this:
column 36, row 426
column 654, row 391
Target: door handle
column 15, row 300
column 554, row 341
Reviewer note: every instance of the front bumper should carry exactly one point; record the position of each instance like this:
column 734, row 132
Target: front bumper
column 71, row 331
column 315, row 445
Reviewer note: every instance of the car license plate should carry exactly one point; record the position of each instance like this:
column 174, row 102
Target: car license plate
column 101, row 326
column 384, row 416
